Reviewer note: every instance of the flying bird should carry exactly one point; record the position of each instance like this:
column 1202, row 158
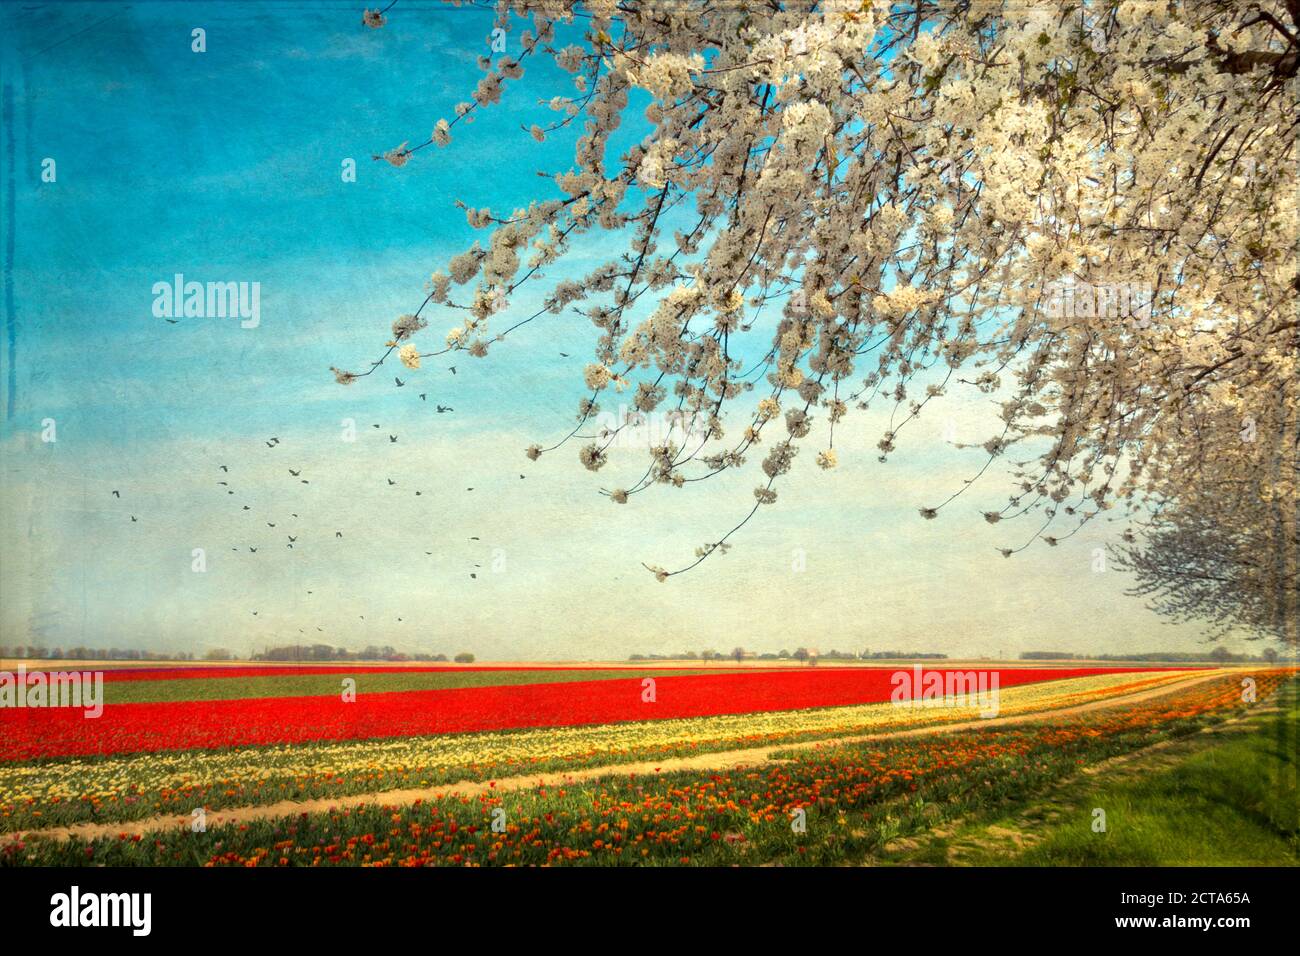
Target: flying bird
column 445, row 408
column 295, row 473
column 117, row 494
column 134, row 518
column 223, row 468
column 391, row 482
column 399, row 382
column 392, row 439
column 452, row 369
column 423, row 396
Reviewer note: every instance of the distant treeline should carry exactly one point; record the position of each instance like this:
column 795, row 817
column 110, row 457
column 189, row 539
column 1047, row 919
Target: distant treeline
column 799, row 654
column 323, row 652
column 90, row 654
column 289, row 652
column 1220, row 655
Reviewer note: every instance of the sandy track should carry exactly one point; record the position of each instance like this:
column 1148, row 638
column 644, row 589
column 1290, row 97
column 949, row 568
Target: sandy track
column 719, row 760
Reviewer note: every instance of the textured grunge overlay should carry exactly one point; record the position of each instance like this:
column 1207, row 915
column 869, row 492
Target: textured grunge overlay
column 664, row 433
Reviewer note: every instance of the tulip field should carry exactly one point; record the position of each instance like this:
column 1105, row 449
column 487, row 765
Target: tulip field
column 552, row 765
column 467, row 702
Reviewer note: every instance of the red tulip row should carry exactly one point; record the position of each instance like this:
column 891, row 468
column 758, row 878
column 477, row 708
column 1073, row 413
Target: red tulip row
column 31, row 733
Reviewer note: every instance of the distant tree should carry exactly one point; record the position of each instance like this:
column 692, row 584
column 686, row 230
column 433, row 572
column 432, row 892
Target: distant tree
column 1226, row 555
column 801, row 654
column 1271, row 655
column 218, row 654
column 738, row 653
column 464, row 657
column 1221, row 654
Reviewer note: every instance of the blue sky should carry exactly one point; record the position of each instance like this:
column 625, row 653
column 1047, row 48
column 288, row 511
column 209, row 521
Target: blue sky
column 225, row 166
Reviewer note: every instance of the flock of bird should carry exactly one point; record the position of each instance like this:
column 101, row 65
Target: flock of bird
column 273, row 443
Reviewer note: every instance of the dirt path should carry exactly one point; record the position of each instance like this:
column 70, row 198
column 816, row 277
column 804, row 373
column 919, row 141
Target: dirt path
column 720, row 760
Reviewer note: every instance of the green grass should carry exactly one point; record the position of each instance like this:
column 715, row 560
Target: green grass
column 327, row 685
column 1225, row 797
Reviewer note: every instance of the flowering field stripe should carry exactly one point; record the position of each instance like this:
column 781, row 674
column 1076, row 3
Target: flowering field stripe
column 855, row 797
column 31, row 733
column 367, row 682
column 136, row 786
column 116, row 672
